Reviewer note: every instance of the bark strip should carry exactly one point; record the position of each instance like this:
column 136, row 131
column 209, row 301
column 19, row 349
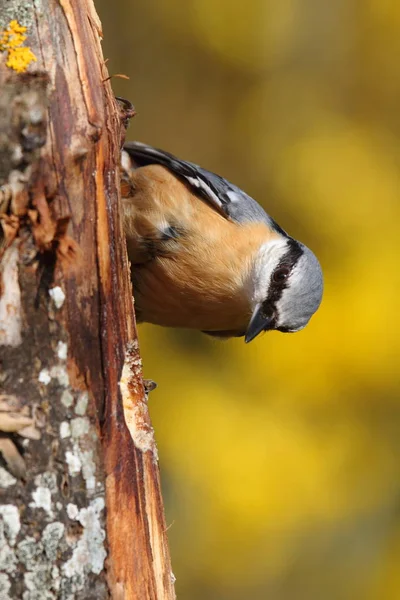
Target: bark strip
column 81, row 512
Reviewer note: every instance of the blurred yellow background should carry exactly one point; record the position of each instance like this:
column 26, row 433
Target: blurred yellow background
column 281, row 459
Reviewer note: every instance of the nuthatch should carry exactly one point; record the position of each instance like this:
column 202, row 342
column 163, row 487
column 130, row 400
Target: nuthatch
column 206, row 256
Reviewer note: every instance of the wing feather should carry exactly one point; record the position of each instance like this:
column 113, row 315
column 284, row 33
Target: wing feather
column 222, row 195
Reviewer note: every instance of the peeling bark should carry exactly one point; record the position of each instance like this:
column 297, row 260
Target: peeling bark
column 81, row 512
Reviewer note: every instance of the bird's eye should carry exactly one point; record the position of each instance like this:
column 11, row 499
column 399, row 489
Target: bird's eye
column 281, row 274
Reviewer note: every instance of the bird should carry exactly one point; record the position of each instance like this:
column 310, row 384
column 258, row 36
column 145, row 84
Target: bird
column 205, row 255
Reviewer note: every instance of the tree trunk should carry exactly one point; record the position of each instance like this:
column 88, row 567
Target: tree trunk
column 81, row 513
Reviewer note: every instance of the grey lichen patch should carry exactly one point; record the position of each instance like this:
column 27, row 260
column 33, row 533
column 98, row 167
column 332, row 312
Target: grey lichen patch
column 78, row 443
column 9, row 529
column 65, row 430
column 47, row 479
column 89, row 553
column 89, row 469
column 21, row 11
column 12, row 523
column 29, row 552
column 40, row 581
column 58, row 296
column 42, row 577
column 5, row 585
column 44, row 377
column 55, row 573
column 79, row 426
column 72, row 511
column 42, row 499
column 61, row 558
column 8, row 560
column 83, row 538
column 67, row 398
column 57, row 372
column 81, row 461
column 62, row 350
column 46, row 485
column 82, row 404
column 73, row 461
column 52, row 534
column 41, row 595
column 6, row 479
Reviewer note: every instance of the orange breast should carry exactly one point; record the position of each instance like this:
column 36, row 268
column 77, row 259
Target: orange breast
column 199, row 280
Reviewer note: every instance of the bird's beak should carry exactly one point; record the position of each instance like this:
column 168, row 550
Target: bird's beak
column 259, row 322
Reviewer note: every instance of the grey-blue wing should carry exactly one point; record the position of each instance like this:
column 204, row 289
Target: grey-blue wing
column 224, row 196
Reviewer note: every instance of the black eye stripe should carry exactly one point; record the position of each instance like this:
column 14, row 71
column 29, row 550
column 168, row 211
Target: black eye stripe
column 289, row 260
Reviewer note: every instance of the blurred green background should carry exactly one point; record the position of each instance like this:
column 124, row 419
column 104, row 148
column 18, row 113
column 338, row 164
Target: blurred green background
column 281, row 459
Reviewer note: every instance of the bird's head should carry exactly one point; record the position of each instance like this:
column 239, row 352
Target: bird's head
column 286, row 287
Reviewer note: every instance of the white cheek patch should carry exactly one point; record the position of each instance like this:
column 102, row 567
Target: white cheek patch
column 268, row 258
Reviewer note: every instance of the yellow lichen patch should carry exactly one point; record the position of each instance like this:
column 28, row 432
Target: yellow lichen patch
column 19, row 57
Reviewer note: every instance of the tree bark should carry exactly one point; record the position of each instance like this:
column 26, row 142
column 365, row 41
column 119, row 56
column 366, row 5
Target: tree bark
column 81, row 512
